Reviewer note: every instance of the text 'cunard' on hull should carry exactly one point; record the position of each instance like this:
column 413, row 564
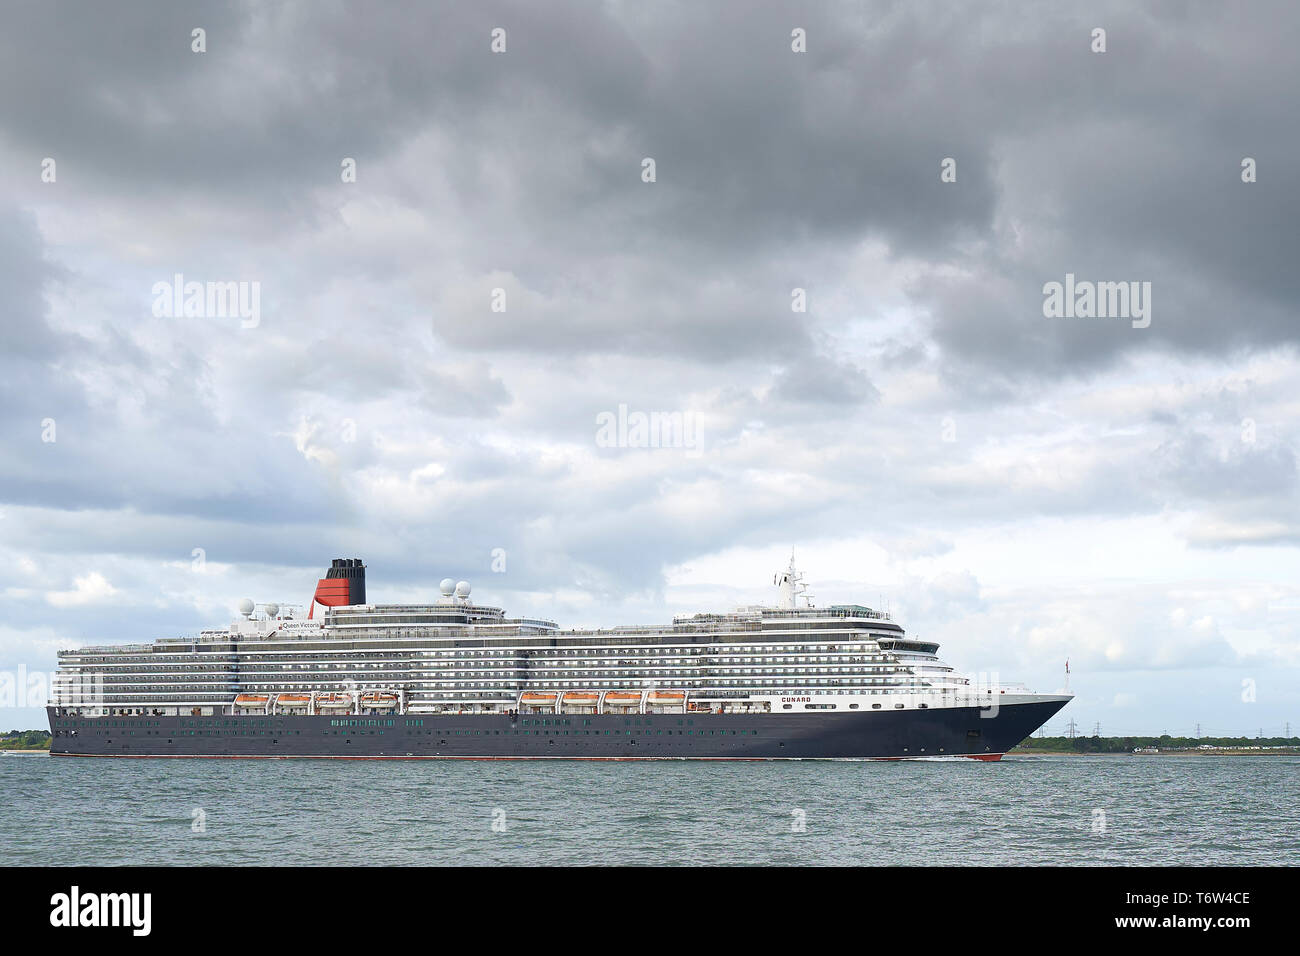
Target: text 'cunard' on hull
column 454, row 679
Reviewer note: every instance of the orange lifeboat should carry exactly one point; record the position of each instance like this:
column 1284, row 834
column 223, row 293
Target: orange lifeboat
column 581, row 697
column 251, row 700
column 378, row 699
column 293, row 700
column 535, row 698
column 621, row 699
column 667, row 696
column 333, row 700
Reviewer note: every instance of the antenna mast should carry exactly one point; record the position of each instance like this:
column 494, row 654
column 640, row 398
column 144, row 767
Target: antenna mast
column 792, row 586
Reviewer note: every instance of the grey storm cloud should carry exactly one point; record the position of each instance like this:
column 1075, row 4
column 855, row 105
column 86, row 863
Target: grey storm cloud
column 380, row 407
column 23, row 274
column 1115, row 165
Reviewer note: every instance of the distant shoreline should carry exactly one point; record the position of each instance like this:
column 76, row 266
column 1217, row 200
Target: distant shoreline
column 1162, row 753
column 1161, row 745
column 25, row 741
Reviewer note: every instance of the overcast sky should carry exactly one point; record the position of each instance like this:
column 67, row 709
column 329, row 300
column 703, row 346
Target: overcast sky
column 1023, row 489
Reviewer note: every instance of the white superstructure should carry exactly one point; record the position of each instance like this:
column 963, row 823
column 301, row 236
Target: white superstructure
column 455, row 656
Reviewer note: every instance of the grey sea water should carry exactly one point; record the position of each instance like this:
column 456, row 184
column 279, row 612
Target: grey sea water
column 1092, row 811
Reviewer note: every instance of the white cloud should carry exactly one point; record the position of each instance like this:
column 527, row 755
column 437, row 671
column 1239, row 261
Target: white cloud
column 92, row 588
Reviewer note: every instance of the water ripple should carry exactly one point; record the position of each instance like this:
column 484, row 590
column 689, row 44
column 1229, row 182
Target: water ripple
column 1094, row 811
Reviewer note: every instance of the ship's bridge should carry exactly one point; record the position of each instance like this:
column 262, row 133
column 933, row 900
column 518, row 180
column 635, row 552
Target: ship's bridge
column 835, row 611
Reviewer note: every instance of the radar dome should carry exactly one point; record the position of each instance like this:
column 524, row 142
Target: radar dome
column 246, row 607
column 272, row 609
column 447, row 587
column 462, row 589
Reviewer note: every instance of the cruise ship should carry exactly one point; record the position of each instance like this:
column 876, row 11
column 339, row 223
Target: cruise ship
column 454, row 679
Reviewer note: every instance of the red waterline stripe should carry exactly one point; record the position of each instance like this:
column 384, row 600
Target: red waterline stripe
column 989, row 757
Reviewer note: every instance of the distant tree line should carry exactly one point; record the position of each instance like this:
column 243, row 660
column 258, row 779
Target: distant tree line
column 1114, row 745
column 25, row 740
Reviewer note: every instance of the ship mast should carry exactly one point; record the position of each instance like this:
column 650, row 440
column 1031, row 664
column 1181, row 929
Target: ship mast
column 792, row 587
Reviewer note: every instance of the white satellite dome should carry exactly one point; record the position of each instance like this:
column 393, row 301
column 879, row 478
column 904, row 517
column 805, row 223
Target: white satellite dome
column 272, row 609
column 246, row 606
column 447, row 587
column 462, row 589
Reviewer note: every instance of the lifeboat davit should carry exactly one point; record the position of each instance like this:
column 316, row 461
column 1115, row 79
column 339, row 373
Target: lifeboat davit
column 251, row 700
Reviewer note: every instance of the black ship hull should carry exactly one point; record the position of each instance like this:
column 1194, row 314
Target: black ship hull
column 886, row 735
